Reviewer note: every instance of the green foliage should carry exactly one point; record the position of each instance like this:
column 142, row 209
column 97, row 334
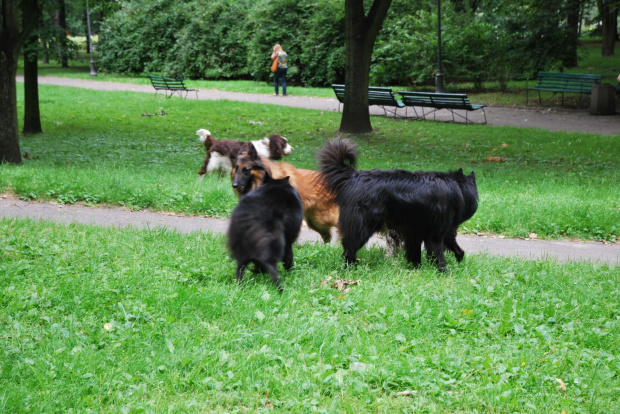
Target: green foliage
column 225, row 39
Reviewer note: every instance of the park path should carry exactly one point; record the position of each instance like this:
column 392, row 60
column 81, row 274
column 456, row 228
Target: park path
column 553, row 119
column 13, row 208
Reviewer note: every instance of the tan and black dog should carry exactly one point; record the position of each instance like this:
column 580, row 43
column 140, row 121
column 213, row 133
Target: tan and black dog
column 320, row 208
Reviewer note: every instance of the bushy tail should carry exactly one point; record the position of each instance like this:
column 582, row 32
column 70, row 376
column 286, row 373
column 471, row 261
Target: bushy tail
column 337, row 160
column 203, row 134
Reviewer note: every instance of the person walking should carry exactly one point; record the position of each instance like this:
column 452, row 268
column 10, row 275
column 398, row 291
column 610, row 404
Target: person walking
column 280, row 73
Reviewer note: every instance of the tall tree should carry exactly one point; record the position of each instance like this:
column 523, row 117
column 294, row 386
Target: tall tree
column 573, row 16
column 608, row 12
column 361, row 31
column 32, row 114
column 62, row 23
column 12, row 39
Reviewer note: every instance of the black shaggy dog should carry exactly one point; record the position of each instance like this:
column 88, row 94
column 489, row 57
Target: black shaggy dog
column 264, row 226
column 418, row 206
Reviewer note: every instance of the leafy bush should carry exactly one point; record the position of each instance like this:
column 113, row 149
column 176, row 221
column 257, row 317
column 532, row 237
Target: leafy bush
column 232, row 39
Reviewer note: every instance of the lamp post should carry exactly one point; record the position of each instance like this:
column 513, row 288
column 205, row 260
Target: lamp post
column 439, row 76
column 93, row 72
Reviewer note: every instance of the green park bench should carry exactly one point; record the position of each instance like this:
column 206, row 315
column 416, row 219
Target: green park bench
column 438, row 101
column 562, row 82
column 174, row 85
column 383, row 97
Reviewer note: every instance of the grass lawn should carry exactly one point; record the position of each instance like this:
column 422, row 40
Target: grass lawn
column 117, row 320
column 99, row 148
column 109, row 320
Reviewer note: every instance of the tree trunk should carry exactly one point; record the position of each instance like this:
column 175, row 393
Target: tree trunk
column 360, row 35
column 32, row 115
column 46, row 54
column 573, row 10
column 62, row 22
column 9, row 134
column 11, row 42
column 608, row 12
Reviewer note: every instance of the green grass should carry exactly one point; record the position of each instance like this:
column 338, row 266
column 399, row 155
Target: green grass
column 109, row 320
column 98, row 148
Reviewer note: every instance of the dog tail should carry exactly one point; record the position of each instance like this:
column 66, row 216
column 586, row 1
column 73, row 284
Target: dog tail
column 203, row 134
column 337, row 161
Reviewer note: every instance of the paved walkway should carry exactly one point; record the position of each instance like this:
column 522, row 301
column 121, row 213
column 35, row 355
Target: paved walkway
column 551, row 119
column 118, row 217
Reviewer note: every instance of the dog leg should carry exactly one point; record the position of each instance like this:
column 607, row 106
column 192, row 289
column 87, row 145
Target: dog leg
column 325, row 234
column 203, row 169
column 353, row 241
column 273, row 271
column 451, row 244
column 413, row 249
column 434, row 251
column 288, row 257
column 240, row 269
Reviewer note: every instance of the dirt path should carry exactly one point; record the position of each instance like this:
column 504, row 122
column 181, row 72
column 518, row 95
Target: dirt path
column 11, row 207
column 545, row 118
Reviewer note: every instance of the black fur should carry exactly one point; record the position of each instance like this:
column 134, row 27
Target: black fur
column 264, row 226
column 419, row 206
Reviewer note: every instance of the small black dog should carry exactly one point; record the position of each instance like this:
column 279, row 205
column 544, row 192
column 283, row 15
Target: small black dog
column 264, row 226
column 418, row 206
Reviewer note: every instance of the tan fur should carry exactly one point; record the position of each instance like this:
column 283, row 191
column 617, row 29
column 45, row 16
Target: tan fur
column 320, row 208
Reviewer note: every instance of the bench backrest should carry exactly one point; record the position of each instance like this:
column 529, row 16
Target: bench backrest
column 163, row 82
column 577, row 82
column 436, row 100
column 376, row 95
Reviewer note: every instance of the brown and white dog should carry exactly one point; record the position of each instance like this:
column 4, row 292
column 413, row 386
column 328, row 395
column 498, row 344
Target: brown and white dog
column 221, row 153
column 320, row 208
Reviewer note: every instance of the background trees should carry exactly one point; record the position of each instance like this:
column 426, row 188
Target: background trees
column 482, row 39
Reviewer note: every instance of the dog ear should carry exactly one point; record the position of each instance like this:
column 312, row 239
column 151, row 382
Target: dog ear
column 252, row 152
column 460, row 171
column 286, row 179
column 266, row 177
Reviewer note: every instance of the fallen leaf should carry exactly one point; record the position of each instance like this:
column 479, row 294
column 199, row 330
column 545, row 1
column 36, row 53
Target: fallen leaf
column 405, row 393
column 495, row 159
column 268, row 405
column 504, row 145
column 562, row 384
column 533, row 236
column 341, row 284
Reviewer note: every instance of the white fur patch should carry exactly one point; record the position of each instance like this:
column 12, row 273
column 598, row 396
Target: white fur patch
column 219, row 162
column 262, row 147
column 288, row 149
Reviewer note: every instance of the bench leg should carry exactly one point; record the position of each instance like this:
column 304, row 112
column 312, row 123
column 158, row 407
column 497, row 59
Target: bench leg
column 539, row 100
column 527, row 96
